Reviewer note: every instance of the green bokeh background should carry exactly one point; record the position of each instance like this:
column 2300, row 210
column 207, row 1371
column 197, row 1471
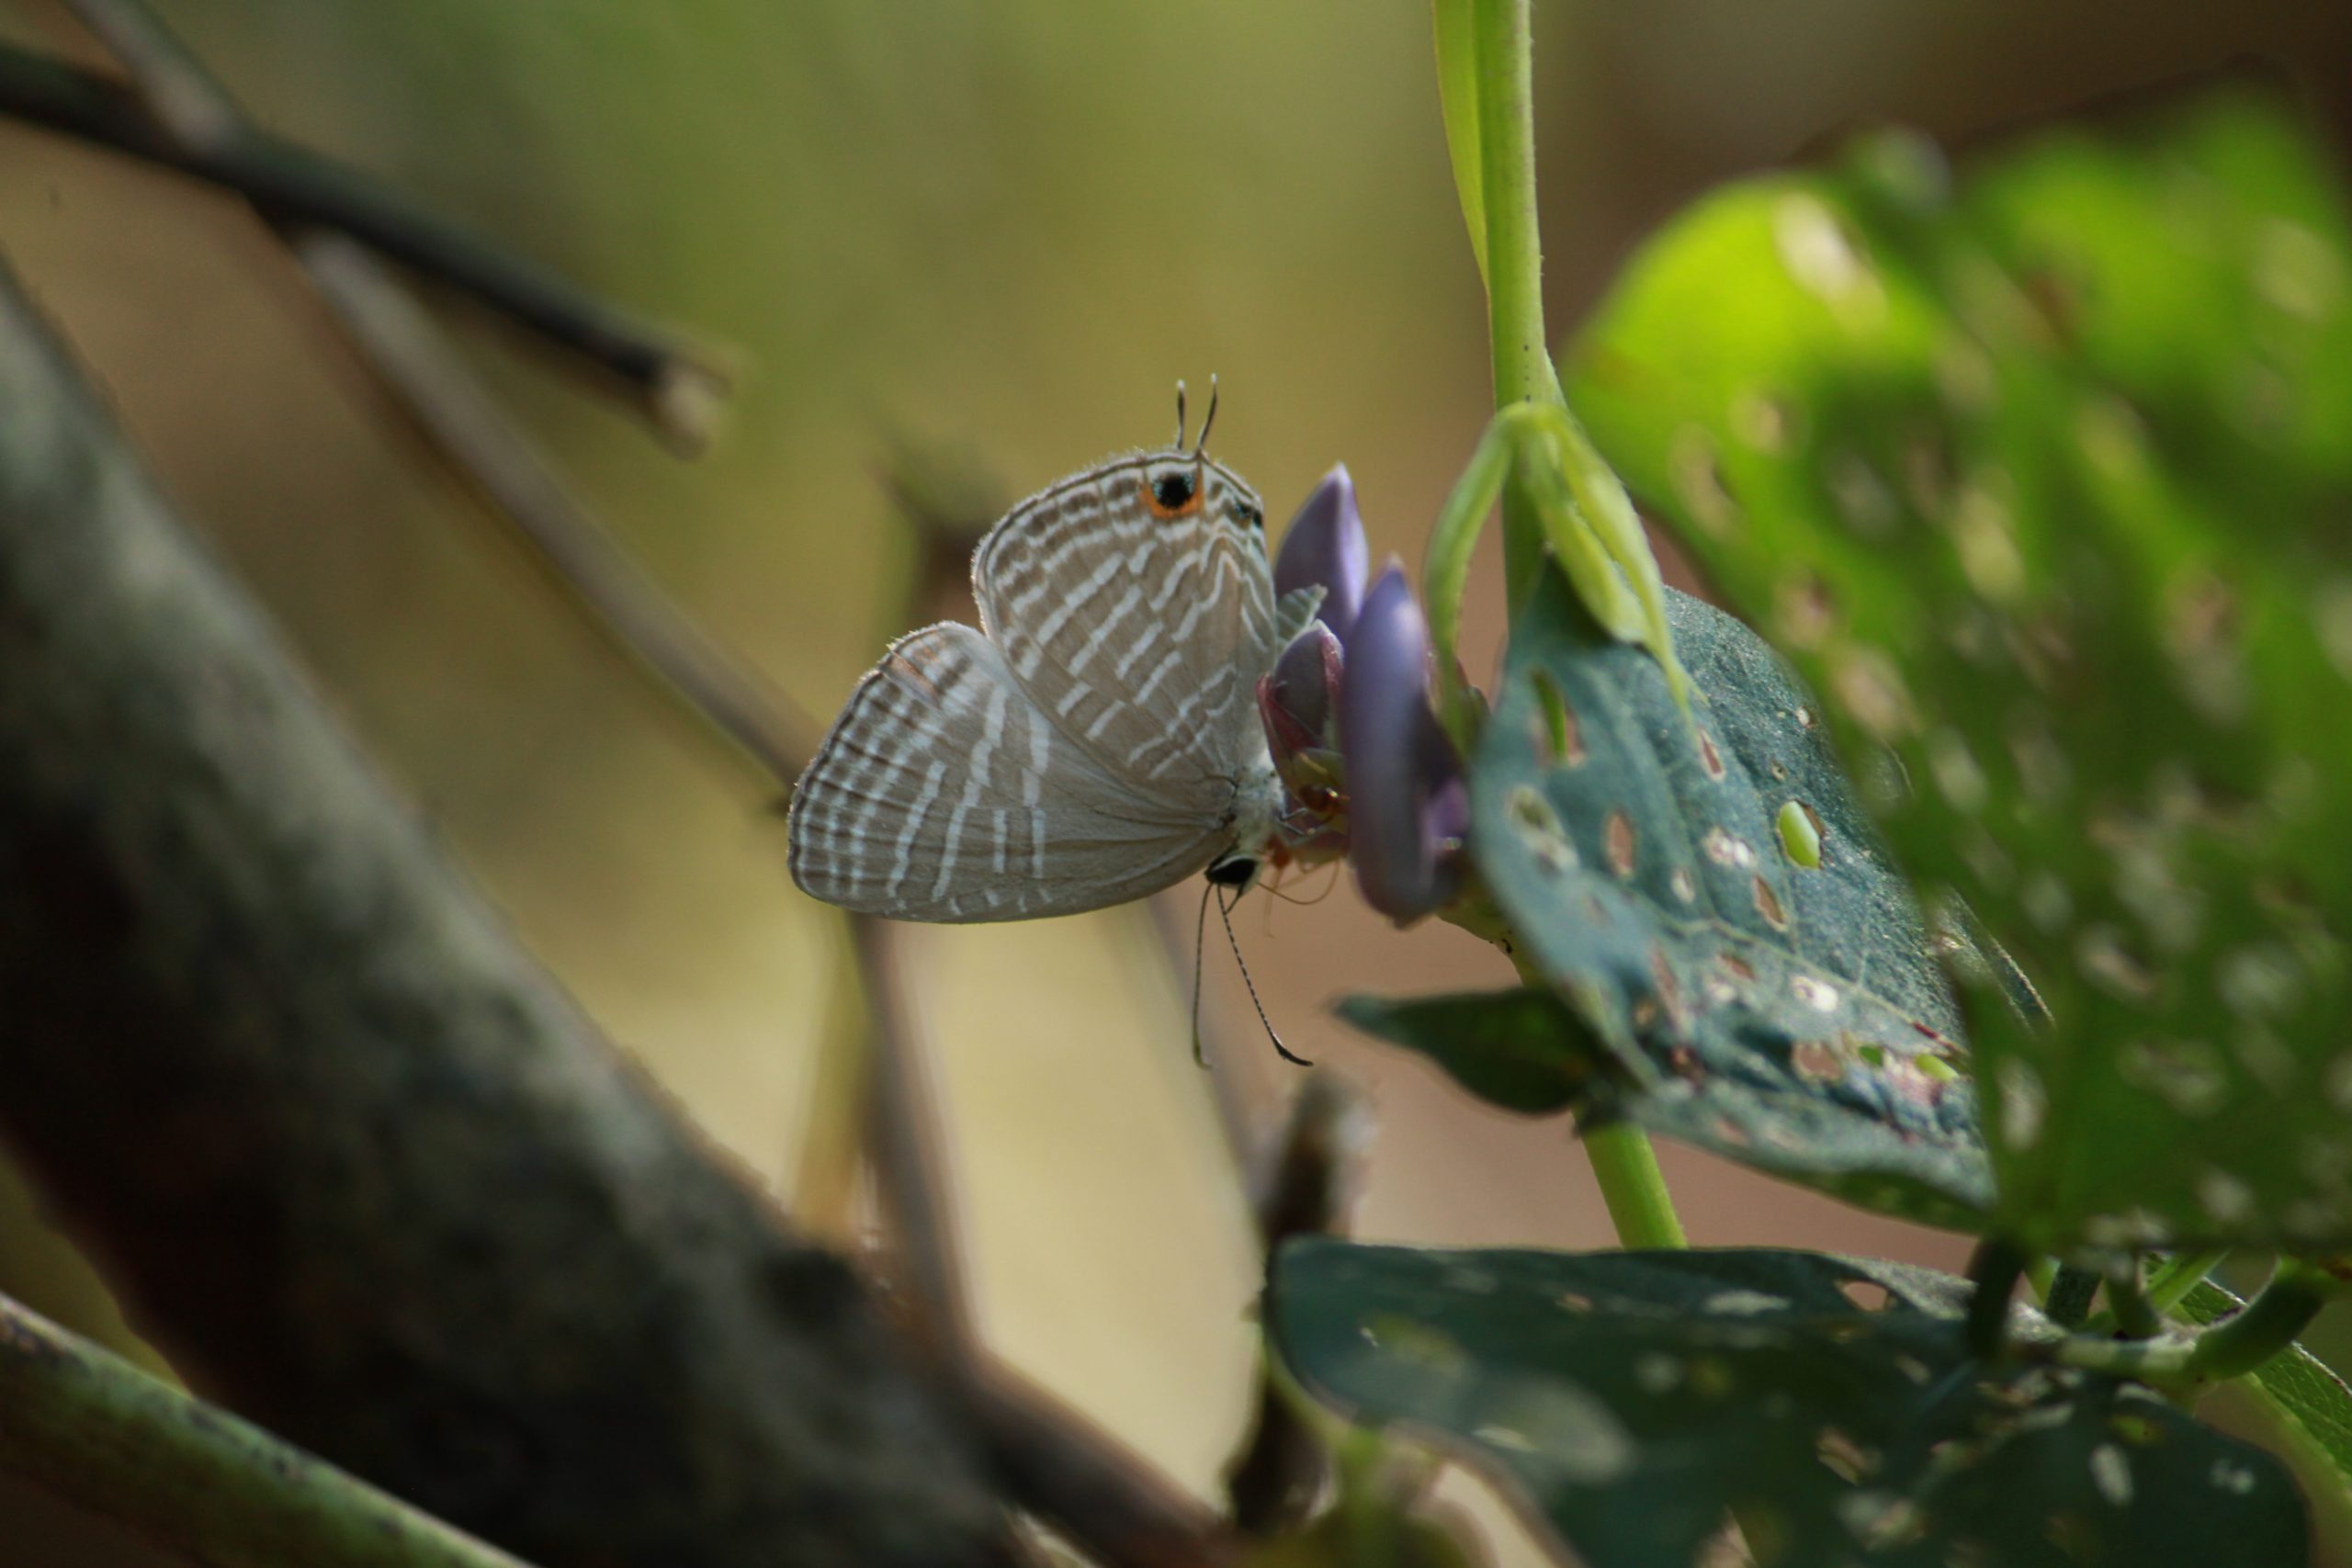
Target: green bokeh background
column 994, row 234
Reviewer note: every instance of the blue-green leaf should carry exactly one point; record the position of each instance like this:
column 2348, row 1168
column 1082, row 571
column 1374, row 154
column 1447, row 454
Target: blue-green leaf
column 1790, row 1015
column 1528, row 1051
column 1632, row 1402
column 2044, row 475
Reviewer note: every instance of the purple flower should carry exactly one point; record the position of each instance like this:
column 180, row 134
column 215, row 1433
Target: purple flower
column 1300, row 700
column 1408, row 808
column 1368, row 770
column 1298, row 703
column 1325, row 546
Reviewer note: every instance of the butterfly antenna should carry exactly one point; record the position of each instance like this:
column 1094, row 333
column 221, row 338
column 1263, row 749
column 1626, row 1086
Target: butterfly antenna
column 1180, row 432
column 1200, row 938
column 1209, row 419
column 1226, row 911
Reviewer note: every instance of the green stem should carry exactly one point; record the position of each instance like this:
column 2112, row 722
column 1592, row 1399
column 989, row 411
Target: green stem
column 1622, row 1160
column 2283, row 1309
column 1521, row 349
column 2135, row 1316
column 2178, row 1275
column 1995, row 1271
column 98, row 1430
column 1632, row 1187
column 2066, row 1294
column 2237, row 1345
column 2163, row 1362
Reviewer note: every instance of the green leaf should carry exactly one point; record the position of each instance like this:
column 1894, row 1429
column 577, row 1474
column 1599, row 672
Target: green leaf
column 1538, row 452
column 1527, row 1051
column 2043, row 476
column 1792, row 1017
column 1628, row 1400
column 1457, row 89
column 2299, row 1393
column 1522, row 1050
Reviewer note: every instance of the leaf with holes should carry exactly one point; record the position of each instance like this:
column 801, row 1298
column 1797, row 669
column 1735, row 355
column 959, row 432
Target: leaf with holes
column 1628, row 1402
column 1712, row 903
column 2043, row 476
column 1526, row 1050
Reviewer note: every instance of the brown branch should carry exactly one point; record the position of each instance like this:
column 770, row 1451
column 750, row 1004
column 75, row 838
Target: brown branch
column 1308, row 1190
column 1048, row 1458
column 1091, row 1486
column 676, row 386
column 95, row 1429
column 904, row 1143
column 178, row 93
column 350, row 1158
column 398, row 344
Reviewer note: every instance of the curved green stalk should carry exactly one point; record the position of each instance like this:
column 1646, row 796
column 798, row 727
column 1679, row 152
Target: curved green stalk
column 2170, row 1282
column 2283, row 1309
column 1503, row 33
column 1530, row 450
column 1553, row 483
column 100, row 1431
column 2235, row 1345
column 1533, row 458
column 1445, row 571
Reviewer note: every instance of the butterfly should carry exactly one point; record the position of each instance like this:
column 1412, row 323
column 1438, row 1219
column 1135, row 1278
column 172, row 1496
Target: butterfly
column 1097, row 738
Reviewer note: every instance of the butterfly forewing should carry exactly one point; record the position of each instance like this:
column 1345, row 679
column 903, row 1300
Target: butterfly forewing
column 944, row 793
column 1134, row 605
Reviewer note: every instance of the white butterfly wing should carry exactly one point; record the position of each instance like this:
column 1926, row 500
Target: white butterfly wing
column 1140, row 628
column 944, row 793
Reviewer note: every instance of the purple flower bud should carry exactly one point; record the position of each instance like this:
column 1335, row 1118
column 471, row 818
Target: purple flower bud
column 1409, row 806
column 1298, row 703
column 1325, row 546
column 1300, row 700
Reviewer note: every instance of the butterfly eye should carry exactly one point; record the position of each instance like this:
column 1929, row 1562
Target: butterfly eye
column 1234, row 871
column 1172, row 491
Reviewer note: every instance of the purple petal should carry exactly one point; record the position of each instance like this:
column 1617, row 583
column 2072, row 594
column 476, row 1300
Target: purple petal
column 1325, row 546
column 1408, row 808
column 1303, row 692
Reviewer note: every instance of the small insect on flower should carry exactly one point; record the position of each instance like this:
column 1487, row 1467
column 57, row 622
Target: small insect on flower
column 1098, row 738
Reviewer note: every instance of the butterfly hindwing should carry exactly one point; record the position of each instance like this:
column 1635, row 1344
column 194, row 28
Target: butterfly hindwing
column 944, row 793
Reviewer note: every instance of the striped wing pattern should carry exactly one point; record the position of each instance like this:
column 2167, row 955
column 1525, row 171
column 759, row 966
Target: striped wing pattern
column 1090, row 744
column 943, row 794
column 1142, row 635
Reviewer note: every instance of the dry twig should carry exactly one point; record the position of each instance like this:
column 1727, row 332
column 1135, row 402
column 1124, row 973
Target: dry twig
column 169, row 122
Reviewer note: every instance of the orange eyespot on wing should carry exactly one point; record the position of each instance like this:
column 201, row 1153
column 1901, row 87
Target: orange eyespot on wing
column 1172, row 493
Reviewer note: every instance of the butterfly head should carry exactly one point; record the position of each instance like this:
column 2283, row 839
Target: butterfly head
column 1178, row 484
column 1235, row 871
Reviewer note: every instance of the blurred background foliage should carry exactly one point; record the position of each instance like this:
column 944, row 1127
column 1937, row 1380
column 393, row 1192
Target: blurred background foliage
column 983, row 238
